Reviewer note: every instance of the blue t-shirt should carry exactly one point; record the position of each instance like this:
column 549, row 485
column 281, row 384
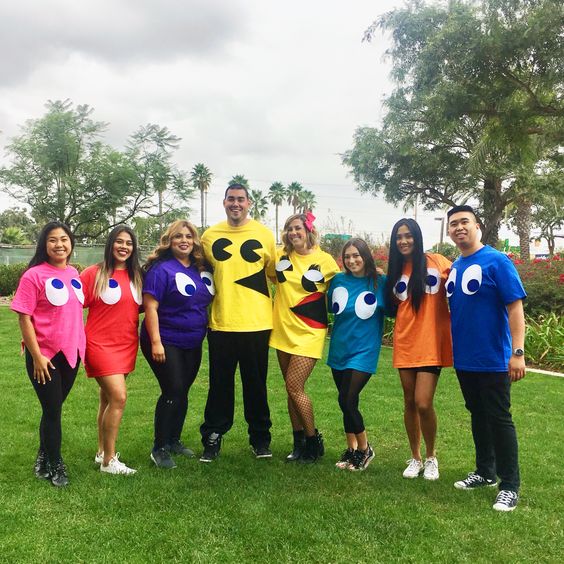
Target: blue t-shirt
column 479, row 288
column 356, row 337
column 183, row 294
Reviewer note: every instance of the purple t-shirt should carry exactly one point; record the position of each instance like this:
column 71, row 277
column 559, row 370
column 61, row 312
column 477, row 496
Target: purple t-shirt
column 53, row 297
column 183, row 294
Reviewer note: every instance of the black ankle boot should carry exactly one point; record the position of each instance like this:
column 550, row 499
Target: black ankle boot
column 40, row 467
column 299, row 447
column 314, row 449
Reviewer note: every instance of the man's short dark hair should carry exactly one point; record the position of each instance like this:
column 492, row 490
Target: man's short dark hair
column 236, row 186
column 457, row 209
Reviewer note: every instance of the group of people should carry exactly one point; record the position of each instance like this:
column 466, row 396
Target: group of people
column 220, row 286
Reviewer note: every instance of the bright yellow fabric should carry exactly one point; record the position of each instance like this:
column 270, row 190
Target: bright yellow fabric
column 291, row 333
column 236, row 307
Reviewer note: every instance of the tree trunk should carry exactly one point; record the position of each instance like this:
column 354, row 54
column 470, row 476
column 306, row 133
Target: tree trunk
column 277, row 232
column 523, row 226
column 493, row 210
column 202, row 209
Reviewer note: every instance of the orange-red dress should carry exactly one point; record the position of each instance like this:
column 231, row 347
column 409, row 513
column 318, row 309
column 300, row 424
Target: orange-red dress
column 112, row 335
column 423, row 338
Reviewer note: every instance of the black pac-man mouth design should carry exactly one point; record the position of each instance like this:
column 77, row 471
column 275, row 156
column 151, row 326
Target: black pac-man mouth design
column 312, row 311
column 256, row 281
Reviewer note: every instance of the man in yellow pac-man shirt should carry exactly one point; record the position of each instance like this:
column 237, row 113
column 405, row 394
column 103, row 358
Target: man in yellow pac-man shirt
column 242, row 253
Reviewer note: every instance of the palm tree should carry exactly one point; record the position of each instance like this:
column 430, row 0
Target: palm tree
column 260, row 204
column 200, row 177
column 240, row 179
column 277, row 196
column 293, row 194
column 307, row 201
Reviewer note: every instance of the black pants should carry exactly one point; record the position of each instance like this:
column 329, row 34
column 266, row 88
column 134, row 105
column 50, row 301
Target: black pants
column 349, row 384
column 487, row 398
column 52, row 395
column 175, row 376
column 250, row 351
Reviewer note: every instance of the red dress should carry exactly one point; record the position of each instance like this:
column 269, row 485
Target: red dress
column 112, row 336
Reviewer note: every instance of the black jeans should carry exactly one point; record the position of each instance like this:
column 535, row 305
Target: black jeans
column 487, row 397
column 250, row 351
column 176, row 375
column 52, row 395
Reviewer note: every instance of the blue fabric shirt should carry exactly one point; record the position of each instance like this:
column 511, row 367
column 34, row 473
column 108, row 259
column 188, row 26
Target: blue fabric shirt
column 183, row 294
column 356, row 337
column 479, row 288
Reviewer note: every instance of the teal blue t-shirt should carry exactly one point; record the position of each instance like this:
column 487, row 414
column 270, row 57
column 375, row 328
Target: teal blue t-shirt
column 356, row 337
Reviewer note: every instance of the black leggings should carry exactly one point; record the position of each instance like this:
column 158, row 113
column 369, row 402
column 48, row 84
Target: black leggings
column 175, row 377
column 350, row 383
column 52, row 395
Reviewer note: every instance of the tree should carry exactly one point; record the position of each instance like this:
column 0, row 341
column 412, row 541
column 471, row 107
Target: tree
column 293, row 192
column 259, row 204
column 13, row 236
column 277, row 196
column 200, row 177
column 477, row 88
column 240, row 179
column 307, row 201
column 19, row 218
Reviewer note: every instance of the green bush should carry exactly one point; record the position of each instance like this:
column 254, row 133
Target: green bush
column 544, row 341
column 544, row 284
column 9, row 277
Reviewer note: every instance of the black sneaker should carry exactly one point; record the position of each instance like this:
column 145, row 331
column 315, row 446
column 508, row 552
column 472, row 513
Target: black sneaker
column 58, row 474
column 40, row 468
column 345, row 459
column 506, row 500
column 262, row 452
column 474, row 481
column 177, row 447
column 361, row 459
column 161, row 458
column 212, row 445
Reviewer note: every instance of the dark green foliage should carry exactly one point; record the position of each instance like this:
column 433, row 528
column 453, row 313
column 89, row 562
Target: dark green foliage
column 10, row 275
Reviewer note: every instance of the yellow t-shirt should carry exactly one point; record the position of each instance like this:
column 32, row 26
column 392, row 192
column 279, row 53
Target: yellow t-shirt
column 242, row 259
column 300, row 308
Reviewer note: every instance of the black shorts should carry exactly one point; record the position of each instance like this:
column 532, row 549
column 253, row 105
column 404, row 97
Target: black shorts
column 432, row 369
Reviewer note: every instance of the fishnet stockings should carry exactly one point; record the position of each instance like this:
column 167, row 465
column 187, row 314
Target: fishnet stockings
column 296, row 370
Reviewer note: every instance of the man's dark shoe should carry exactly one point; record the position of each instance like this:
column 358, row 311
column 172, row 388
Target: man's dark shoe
column 161, row 457
column 262, row 452
column 212, row 446
column 40, row 468
column 177, row 447
column 58, row 474
column 474, row 481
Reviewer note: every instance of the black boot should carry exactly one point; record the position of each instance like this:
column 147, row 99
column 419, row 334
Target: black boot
column 58, row 472
column 314, row 449
column 40, row 467
column 299, row 447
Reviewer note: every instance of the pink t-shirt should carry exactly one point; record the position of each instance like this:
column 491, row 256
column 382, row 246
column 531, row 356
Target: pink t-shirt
column 53, row 297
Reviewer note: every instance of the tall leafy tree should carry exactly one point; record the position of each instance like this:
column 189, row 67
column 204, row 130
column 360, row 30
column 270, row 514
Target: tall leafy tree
column 277, row 196
column 477, row 87
column 307, row 201
column 240, row 179
column 259, row 204
column 201, row 177
column 293, row 192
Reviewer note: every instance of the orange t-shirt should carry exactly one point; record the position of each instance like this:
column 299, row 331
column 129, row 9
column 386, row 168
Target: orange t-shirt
column 423, row 338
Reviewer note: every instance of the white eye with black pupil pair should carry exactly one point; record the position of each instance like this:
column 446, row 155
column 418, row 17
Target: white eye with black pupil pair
column 187, row 287
column 471, row 280
column 58, row 294
column 364, row 306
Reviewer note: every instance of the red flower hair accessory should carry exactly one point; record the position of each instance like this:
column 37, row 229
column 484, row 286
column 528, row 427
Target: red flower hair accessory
column 310, row 218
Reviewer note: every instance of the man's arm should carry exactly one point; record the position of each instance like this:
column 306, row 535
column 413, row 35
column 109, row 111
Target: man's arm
column 516, row 366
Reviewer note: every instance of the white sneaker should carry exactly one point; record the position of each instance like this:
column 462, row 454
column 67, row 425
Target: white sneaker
column 116, row 467
column 414, row 468
column 99, row 458
column 431, row 469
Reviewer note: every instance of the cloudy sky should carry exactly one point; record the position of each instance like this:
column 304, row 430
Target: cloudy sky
column 270, row 90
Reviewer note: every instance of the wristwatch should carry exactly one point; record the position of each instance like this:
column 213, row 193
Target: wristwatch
column 518, row 352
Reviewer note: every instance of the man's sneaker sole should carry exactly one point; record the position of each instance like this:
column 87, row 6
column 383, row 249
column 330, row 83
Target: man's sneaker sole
column 161, row 466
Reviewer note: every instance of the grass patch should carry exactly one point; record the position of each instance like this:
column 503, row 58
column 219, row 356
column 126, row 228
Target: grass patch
column 239, row 509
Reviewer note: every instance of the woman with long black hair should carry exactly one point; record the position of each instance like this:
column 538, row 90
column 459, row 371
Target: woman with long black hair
column 49, row 303
column 112, row 290
column 422, row 342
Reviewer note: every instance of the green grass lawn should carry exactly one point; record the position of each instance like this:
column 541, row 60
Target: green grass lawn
column 239, row 509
